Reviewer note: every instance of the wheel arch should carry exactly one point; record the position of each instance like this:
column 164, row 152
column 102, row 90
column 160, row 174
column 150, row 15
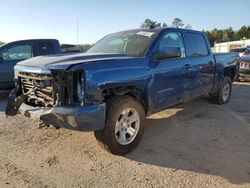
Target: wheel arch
column 229, row 72
column 136, row 92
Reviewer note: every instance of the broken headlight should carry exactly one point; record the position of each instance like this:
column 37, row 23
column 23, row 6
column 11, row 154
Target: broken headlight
column 80, row 89
column 69, row 87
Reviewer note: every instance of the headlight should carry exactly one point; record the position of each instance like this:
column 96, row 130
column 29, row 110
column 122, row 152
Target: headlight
column 69, row 87
column 80, row 88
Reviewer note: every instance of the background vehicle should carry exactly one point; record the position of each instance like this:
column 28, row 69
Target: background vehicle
column 69, row 48
column 240, row 51
column 13, row 52
column 123, row 78
column 245, row 65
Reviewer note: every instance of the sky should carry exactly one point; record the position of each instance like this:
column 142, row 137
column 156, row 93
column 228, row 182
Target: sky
column 26, row 19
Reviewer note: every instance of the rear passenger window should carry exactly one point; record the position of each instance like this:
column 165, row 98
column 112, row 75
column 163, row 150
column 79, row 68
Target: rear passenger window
column 45, row 48
column 195, row 45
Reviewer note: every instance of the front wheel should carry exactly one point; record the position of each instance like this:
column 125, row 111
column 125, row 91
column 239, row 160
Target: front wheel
column 224, row 93
column 124, row 125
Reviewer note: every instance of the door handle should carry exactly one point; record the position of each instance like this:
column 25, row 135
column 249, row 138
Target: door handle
column 187, row 66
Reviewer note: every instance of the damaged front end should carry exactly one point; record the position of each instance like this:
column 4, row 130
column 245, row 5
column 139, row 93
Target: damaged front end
column 43, row 90
column 55, row 98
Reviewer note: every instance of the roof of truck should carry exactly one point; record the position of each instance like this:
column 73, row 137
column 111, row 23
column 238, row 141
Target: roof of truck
column 29, row 40
column 158, row 30
column 34, row 40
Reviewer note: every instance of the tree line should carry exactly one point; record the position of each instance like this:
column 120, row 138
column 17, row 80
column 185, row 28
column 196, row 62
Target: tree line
column 177, row 22
column 214, row 36
column 225, row 35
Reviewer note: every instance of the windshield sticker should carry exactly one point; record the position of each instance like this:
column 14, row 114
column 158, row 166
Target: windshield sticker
column 145, row 33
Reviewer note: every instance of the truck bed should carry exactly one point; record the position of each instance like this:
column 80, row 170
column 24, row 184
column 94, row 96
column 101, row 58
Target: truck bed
column 227, row 59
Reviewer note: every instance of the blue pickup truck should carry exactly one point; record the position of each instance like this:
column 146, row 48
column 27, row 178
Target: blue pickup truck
column 123, row 78
column 14, row 52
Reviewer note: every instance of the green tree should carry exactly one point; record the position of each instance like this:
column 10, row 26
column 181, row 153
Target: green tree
column 148, row 23
column 177, row 22
column 164, row 25
column 224, row 35
column 208, row 34
column 227, row 35
column 1, row 42
column 214, row 36
column 244, row 32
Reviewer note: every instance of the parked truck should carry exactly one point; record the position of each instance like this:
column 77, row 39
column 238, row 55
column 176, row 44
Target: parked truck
column 14, row 52
column 122, row 79
column 244, row 71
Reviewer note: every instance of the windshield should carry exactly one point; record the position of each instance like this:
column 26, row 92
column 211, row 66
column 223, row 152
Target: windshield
column 131, row 43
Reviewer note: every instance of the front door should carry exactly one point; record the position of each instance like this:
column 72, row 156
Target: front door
column 169, row 75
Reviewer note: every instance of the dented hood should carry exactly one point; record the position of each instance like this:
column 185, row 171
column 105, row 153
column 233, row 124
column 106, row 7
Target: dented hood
column 64, row 62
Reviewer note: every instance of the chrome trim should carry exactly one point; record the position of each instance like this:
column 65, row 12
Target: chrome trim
column 26, row 69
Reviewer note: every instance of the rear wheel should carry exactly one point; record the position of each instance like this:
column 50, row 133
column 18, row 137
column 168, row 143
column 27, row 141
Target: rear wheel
column 224, row 93
column 124, row 125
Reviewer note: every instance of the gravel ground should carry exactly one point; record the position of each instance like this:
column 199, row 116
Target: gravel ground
column 197, row 144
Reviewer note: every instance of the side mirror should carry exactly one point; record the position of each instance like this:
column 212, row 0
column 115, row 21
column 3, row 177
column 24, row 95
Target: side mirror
column 169, row 52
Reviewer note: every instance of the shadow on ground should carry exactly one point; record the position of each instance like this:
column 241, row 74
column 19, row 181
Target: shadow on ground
column 201, row 137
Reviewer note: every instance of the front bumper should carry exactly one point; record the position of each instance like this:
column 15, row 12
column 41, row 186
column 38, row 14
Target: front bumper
column 82, row 118
column 244, row 74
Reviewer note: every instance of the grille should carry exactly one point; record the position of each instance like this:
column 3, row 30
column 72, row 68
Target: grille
column 244, row 65
column 38, row 88
column 45, row 90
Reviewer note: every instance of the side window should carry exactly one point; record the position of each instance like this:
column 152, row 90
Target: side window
column 195, row 45
column 172, row 39
column 45, row 48
column 16, row 52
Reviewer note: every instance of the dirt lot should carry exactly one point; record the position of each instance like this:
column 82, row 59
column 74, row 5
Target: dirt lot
column 198, row 144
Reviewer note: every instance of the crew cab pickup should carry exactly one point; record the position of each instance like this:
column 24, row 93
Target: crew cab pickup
column 16, row 51
column 119, row 81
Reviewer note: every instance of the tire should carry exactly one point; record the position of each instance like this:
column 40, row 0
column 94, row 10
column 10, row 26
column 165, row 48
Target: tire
column 124, row 125
column 224, row 93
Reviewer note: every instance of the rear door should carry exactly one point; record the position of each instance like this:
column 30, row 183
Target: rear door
column 9, row 56
column 45, row 48
column 201, row 65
